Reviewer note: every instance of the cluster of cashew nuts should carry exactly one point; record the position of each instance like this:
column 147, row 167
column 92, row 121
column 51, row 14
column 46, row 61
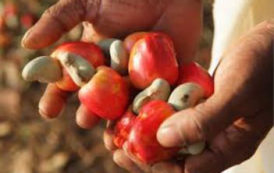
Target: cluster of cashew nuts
column 183, row 96
column 50, row 69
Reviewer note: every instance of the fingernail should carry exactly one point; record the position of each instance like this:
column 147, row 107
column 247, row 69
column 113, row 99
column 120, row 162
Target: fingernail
column 25, row 37
column 49, row 113
column 108, row 140
column 168, row 136
column 46, row 115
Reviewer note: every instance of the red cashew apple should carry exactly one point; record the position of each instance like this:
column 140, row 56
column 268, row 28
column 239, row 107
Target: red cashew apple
column 132, row 39
column 123, row 127
column 88, row 51
column 10, row 9
column 91, row 52
column 153, row 57
column 106, row 94
column 71, row 66
column 27, row 20
column 193, row 72
column 142, row 141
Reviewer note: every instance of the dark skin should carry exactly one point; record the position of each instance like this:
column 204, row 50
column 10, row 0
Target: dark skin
column 233, row 121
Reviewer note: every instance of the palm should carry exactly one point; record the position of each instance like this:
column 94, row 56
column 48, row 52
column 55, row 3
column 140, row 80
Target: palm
column 114, row 18
column 117, row 19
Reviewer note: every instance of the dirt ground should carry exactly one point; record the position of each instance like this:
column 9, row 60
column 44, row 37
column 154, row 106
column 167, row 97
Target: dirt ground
column 29, row 144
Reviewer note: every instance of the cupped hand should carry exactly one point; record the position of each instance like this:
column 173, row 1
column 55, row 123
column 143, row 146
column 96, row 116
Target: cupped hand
column 180, row 19
column 233, row 121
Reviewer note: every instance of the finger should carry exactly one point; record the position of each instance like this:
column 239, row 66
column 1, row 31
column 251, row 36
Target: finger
column 85, row 118
column 144, row 167
column 108, row 140
column 196, row 124
column 57, row 20
column 121, row 159
column 166, row 167
column 91, row 35
column 52, row 102
column 219, row 111
column 236, row 144
column 184, row 33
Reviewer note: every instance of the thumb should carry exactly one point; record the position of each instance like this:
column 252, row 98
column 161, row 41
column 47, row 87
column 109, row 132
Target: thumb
column 57, row 20
column 197, row 124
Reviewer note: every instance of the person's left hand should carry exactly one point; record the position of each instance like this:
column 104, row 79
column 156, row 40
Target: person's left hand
column 233, row 121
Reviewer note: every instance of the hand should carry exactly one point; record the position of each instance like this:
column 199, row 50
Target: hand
column 233, row 121
column 239, row 114
column 114, row 18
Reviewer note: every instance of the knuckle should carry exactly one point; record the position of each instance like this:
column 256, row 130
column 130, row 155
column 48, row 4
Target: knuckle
column 201, row 127
column 51, row 12
column 190, row 128
column 208, row 120
column 54, row 13
column 66, row 12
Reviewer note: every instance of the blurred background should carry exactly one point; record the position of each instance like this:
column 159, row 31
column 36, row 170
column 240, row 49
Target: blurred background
column 29, row 144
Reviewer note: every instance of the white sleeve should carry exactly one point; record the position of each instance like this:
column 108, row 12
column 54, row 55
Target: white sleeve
column 232, row 19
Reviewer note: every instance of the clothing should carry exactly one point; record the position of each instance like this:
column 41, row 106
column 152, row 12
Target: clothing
column 232, row 19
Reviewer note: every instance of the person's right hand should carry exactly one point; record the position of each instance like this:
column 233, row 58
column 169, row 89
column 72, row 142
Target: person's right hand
column 233, row 121
column 180, row 19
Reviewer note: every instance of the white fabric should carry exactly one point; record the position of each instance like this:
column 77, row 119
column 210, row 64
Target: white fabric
column 232, row 19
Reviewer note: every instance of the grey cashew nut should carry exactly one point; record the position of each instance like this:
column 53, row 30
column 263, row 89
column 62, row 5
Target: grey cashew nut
column 158, row 90
column 119, row 57
column 44, row 69
column 79, row 69
column 185, row 96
